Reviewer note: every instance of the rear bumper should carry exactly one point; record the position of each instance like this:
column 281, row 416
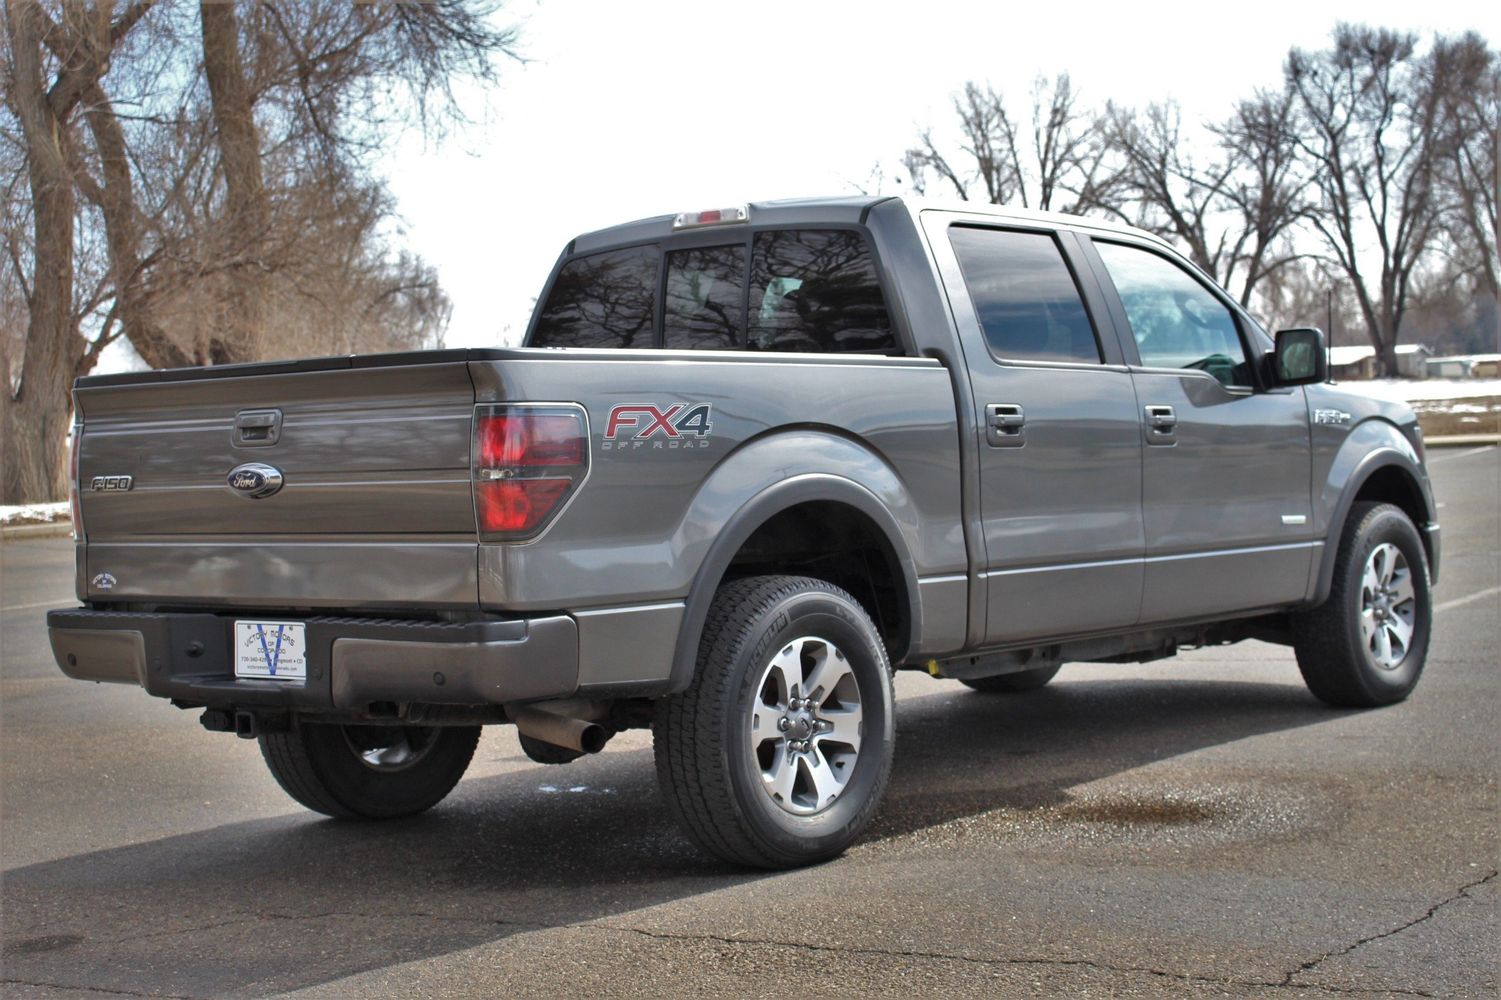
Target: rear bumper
column 352, row 662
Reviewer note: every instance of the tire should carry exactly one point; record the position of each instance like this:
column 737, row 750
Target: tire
column 1021, row 680
column 743, row 788
column 1365, row 646
column 368, row 772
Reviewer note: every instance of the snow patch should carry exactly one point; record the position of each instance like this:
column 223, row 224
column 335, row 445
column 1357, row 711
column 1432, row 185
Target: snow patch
column 33, row 513
column 1411, row 390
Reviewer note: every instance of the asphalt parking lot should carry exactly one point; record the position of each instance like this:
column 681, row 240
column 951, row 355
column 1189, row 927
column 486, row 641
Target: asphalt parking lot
column 1196, row 827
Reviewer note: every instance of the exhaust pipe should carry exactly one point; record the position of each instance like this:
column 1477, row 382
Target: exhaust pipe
column 561, row 730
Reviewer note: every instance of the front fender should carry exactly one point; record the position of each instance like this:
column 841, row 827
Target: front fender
column 770, row 475
column 1370, row 446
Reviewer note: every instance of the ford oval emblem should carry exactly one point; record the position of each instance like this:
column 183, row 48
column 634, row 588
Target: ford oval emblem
column 254, row 480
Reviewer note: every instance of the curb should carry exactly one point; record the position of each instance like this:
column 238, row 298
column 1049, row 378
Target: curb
column 54, row 530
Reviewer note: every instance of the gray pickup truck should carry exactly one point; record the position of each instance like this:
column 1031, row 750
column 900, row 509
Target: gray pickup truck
column 749, row 461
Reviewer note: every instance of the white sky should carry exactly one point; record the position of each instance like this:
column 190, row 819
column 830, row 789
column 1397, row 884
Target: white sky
column 632, row 109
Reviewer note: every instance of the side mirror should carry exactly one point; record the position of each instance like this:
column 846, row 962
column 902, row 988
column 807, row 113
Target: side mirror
column 1300, row 358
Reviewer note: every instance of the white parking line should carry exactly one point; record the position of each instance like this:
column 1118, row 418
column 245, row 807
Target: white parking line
column 1468, row 599
column 41, row 604
column 1463, row 454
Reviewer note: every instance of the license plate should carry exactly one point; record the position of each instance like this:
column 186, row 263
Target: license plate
column 271, row 650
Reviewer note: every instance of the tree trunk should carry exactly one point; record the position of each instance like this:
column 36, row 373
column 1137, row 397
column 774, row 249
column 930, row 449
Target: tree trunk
column 34, row 423
column 116, row 201
column 236, row 333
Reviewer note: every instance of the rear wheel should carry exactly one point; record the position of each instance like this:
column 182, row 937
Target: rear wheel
column 1021, row 680
column 1365, row 646
column 368, row 772
column 778, row 752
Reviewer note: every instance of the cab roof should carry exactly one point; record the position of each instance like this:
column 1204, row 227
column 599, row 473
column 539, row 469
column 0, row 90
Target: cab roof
column 846, row 210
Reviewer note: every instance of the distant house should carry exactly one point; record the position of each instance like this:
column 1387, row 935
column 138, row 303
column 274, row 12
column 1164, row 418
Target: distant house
column 1465, row 366
column 1359, row 362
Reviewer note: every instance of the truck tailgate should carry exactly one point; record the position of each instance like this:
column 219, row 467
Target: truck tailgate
column 375, row 507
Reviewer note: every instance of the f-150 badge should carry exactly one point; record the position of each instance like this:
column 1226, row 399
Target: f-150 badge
column 1330, row 417
column 642, row 425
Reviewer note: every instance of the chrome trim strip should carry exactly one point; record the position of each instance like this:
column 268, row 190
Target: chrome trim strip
column 1209, row 554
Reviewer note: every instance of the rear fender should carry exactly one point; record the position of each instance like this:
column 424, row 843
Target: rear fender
column 771, row 475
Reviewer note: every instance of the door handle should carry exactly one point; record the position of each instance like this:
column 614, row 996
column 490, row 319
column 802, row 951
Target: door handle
column 1162, row 421
column 1004, row 423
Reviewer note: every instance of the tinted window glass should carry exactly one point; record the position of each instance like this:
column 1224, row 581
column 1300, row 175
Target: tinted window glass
column 816, row 290
column 604, row 300
column 1025, row 296
column 705, row 305
column 1177, row 323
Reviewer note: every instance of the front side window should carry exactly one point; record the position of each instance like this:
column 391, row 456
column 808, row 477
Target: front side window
column 816, row 290
column 1176, row 321
column 603, row 300
column 705, row 304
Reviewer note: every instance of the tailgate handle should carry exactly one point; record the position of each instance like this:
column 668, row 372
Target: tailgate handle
column 257, row 427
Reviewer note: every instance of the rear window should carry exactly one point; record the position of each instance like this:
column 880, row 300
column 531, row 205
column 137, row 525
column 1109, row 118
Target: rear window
column 778, row 290
column 603, row 300
column 705, row 303
column 816, row 290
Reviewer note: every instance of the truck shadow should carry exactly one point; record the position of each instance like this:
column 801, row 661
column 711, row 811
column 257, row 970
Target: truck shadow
column 260, row 907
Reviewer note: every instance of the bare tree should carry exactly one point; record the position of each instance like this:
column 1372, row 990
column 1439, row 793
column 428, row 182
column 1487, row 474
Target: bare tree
column 1266, row 188
column 1175, row 194
column 202, row 182
column 247, row 209
column 1466, row 74
column 1373, row 138
column 53, row 66
column 1058, row 161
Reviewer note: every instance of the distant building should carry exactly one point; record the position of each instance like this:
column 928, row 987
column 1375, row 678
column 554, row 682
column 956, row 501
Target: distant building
column 1465, row 366
column 1359, row 362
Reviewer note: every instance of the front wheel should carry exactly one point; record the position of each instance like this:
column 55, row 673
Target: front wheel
column 778, row 752
column 1365, row 646
column 368, row 772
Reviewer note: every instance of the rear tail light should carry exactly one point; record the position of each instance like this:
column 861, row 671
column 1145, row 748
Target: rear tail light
column 76, row 511
column 528, row 459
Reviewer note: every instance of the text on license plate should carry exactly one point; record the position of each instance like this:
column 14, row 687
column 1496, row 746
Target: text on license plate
column 275, row 650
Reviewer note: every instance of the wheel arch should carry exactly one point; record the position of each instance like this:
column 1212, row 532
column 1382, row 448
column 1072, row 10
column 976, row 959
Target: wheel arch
column 781, row 515
column 1389, row 476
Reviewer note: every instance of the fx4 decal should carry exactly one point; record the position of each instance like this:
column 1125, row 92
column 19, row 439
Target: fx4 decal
column 641, row 425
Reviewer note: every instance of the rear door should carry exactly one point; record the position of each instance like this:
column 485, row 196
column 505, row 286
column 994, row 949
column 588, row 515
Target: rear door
column 1060, row 463
column 1226, row 461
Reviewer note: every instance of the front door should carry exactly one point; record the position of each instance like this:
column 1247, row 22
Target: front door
column 1225, row 492
column 1060, row 455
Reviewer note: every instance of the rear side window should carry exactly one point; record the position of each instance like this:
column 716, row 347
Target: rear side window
column 1025, row 296
column 705, row 304
column 816, row 290
column 603, row 300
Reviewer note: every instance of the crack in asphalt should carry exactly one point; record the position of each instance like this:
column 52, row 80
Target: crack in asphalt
column 972, row 960
column 1462, row 893
column 1285, row 983
column 100, row 989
